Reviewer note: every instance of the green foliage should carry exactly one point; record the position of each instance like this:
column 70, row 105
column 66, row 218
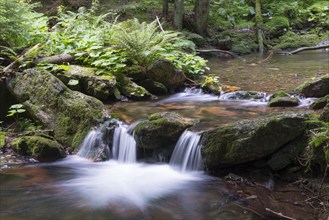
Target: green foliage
column 16, row 109
column 142, row 42
column 318, row 13
column 20, row 25
column 277, row 26
column 2, row 139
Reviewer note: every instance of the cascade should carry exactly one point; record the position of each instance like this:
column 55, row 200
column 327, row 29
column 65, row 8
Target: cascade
column 95, row 143
column 187, row 152
column 124, row 144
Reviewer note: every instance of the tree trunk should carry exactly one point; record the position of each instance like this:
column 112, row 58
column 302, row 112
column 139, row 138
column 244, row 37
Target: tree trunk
column 259, row 25
column 165, row 9
column 201, row 12
column 178, row 14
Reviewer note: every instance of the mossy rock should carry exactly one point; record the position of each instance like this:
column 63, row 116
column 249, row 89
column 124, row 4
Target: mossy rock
column 212, row 85
column 320, row 102
column 250, row 140
column 197, row 39
column 277, row 26
column 292, row 40
column 88, row 82
column 279, row 94
column 325, row 114
column 285, row 101
column 136, row 73
column 244, row 95
column 69, row 113
column 6, row 100
column 133, row 91
column 40, row 148
column 318, row 87
column 153, row 87
column 161, row 130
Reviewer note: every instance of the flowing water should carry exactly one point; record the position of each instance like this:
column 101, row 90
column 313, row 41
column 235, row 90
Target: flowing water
column 122, row 188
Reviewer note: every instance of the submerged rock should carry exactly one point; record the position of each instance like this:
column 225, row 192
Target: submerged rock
column 250, row 140
column 163, row 71
column 69, row 113
column 161, row 130
column 41, row 148
column 315, row 88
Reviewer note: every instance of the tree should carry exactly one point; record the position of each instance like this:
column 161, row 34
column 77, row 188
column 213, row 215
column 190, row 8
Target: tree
column 178, row 14
column 165, row 9
column 201, row 12
column 259, row 25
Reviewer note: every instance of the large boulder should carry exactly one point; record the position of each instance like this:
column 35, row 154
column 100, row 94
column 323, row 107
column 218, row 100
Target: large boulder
column 161, row 130
column 41, row 148
column 163, row 71
column 320, row 102
column 69, row 113
column 315, row 88
column 85, row 80
column 250, row 140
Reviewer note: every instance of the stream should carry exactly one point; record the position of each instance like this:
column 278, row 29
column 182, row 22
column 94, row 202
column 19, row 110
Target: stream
column 76, row 188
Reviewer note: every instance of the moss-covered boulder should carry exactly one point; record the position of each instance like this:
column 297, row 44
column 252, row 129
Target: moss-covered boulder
column 41, row 148
column 161, row 130
column 197, row 39
column 163, row 71
column 289, row 154
column 320, row 102
column 153, row 87
column 318, row 87
column 85, row 80
column 212, row 85
column 133, row 91
column 277, row 26
column 325, row 114
column 282, row 99
column 250, row 140
column 69, row 113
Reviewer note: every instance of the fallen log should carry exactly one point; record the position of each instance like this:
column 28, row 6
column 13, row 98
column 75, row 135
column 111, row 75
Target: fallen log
column 304, row 48
column 55, row 59
column 215, row 51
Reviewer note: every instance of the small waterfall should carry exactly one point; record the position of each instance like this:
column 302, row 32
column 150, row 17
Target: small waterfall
column 124, row 144
column 94, row 145
column 187, row 152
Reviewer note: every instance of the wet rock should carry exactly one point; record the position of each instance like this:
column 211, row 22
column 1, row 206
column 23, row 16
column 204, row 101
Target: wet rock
column 100, row 87
column 161, row 130
column 69, row 113
column 41, row 148
column 249, row 140
column 315, row 88
column 244, row 95
column 284, row 102
column 325, row 114
column 212, row 85
column 320, row 103
column 163, row 71
column 288, row 154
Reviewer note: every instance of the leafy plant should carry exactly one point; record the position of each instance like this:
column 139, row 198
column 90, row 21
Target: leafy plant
column 15, row 110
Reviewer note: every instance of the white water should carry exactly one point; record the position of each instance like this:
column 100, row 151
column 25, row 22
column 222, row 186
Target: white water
column 191, row 94
column 124, row 144
column 187, row 153
column 123, row 184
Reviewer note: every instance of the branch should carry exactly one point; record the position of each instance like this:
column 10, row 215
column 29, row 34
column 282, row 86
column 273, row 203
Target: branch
column 159, row 23
column 304, row 48
column 215, row 50
column 280, row 214
column 55, row 59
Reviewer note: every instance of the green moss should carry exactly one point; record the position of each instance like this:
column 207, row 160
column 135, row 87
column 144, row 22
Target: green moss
column 2, row 139
column 293, row 40
column 277, row 26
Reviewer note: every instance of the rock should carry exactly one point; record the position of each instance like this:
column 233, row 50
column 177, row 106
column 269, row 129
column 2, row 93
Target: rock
column 197, row 39
column 6, row 99
column 288, row 154
column 136, row 73
column 325, row 114
column 315, row 88
column 100, row 87
column 249, row 140
column 163, row 71
column 244, row 95
column 153, row 87
column 161, row 130
column 212, row 85
column 133, row 91
column 41, row 148
column 283, row 102
column 69, row 113
column 320, row 103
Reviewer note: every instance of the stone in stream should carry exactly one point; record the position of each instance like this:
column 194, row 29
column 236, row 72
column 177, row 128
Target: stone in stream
column 325, row 114
column 282, row 99
column 69, row 113
column 315, row 88
column 320, row 103
column 249, row 140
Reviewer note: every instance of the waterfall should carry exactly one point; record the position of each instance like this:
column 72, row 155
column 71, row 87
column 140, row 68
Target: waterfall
column 94, row 145
column 187, row 153
column 124, row 144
